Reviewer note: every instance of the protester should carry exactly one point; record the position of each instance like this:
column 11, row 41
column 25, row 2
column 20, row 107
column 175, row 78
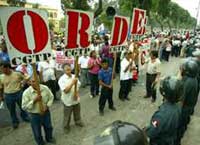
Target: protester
column 94, row 67
column 126, row 66
column 70, row 98
column 39, row 118
column 152, row 75
column 11, row 84
column 47, row 71
column 105, row 79
column 83, row 67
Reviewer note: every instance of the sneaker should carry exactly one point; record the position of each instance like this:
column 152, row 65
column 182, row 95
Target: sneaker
column 112, row 108
column 101, row 113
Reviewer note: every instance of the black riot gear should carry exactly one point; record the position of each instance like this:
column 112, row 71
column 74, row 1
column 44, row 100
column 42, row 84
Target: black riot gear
column 190, row 68
column 121, row 133
column 171, row 88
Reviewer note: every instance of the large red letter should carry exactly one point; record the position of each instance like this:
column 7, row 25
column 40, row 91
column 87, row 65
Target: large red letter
column 120, row 31
column 78, row 29
column 138, row 21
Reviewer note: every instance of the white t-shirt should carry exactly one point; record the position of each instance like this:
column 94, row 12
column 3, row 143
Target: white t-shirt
column 153, row 67
column 68, row 98
column 48, row 70
column 124, row 75
column 83, row 61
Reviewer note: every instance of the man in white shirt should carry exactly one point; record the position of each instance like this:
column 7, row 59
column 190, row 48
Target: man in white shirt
column 47, row 73
column 152, row 76
column 126, row 66
column 83, row 67
column 70, row 98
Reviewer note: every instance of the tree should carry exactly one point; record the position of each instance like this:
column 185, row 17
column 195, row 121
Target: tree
column 20, row 3
column 51, row 25
column 75, row 4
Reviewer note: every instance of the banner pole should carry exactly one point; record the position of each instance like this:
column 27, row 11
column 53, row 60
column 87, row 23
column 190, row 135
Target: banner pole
column 76, row 76
column 37, row 88
column 114, row 66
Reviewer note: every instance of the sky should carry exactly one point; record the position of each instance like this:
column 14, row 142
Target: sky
column 190, row 5
column 51, row 3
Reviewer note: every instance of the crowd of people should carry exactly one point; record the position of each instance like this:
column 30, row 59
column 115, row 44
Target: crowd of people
column 168, row 124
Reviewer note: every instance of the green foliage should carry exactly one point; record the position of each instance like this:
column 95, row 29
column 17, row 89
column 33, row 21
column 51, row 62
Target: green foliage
column 75, row 4
column 51, row 25
column 20, row 3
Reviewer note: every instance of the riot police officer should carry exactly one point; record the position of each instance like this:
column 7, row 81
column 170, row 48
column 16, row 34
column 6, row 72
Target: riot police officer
column 164, row 123
column 196, row 54
column 121, row 133
column 189, row 71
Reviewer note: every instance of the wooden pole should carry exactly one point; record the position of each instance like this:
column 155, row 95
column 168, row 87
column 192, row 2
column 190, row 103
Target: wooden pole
column 37, row 87
column 114, row 66
column 76, row 76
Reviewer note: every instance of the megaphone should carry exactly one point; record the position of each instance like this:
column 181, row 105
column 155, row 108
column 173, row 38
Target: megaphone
column 110, row 11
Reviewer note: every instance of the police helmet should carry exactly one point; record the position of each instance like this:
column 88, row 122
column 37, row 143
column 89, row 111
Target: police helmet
column 171, row 88
column 121, row 133
column 190, row 68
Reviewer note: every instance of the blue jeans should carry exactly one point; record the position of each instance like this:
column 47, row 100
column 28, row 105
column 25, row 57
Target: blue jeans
column 94, row 86
column 11, row 100
column 37, row 121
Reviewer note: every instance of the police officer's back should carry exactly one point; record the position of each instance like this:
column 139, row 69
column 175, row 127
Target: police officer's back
column 189, row 70
column 164, row 123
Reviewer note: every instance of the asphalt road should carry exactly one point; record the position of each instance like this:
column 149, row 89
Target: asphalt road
column 138, row 111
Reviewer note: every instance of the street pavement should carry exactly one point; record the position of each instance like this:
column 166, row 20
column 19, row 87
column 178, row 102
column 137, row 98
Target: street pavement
column 137, row 111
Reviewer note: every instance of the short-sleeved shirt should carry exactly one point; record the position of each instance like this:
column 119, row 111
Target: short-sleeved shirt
column 11, row 83
column 105, row 76
column 95, row 69
column 4, row 57
column 124, row 75
column 48, row 70
column 68, row 98
column 153, row 67
column 29, row 96
column 83, row 61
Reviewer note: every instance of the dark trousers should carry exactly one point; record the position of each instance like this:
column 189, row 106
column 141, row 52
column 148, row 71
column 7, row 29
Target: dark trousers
column 37, row 121
column 11, row 101
column 124, row 89
column 76, row 109
column 51, row 84
column 94, row 86
column 150, row 90
column 106, row 94
column 184, row 121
